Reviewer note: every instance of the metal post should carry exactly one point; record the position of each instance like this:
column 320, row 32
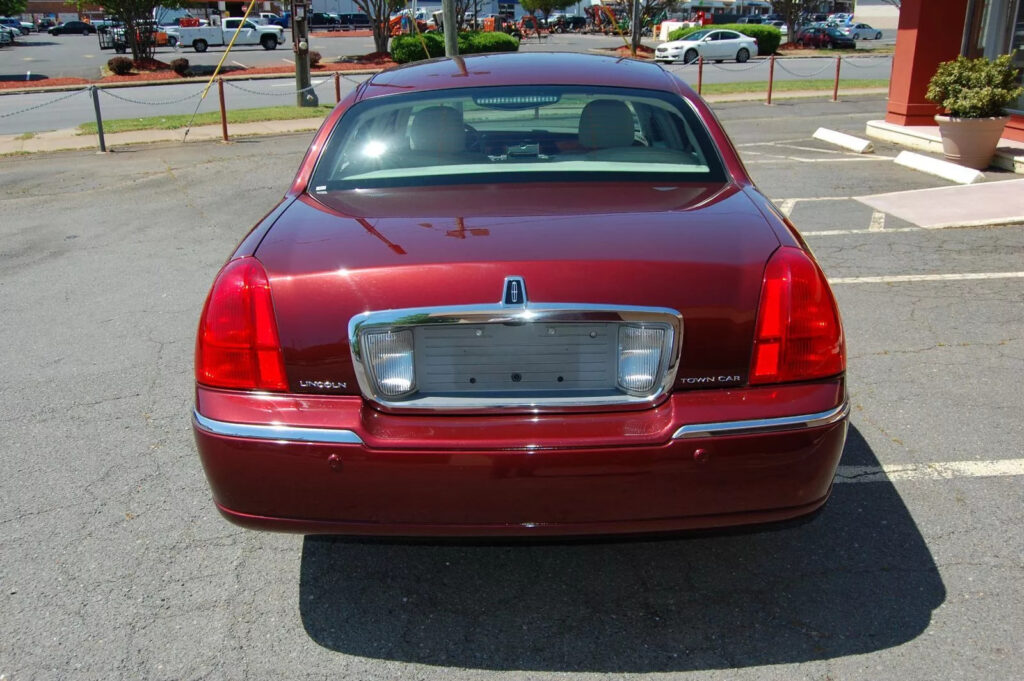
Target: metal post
column 337, row 87
column 771, row 78
column 99, row 118
column 450, row 25
column 304, row 95
column 700, row 74
column 835, row 88
column 223, row 110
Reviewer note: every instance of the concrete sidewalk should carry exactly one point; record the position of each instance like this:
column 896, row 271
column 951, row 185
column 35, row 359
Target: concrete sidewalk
column 72, row 139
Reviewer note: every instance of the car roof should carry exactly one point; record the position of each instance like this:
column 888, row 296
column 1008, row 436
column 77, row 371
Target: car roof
column 525, row 68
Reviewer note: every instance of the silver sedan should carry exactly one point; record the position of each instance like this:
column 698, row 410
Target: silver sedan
column 717, row 45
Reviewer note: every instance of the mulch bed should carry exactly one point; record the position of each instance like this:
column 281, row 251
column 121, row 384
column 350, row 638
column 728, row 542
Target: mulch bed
column 642, row 52
column 153, row 70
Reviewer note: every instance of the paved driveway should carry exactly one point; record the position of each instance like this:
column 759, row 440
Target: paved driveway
column 116, row 566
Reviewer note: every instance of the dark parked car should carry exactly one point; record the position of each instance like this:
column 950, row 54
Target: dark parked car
column 567, row 24
column 406, row 345
column 323, row 20
column 826, row 37
column 355, row 21
column 79, row 27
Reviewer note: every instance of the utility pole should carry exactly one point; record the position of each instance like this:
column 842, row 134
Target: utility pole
column 634, row 26
column 305, row 95
column 451, row 28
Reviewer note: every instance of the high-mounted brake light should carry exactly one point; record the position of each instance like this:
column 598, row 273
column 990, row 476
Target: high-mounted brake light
column 799, row 335
column 237, row 345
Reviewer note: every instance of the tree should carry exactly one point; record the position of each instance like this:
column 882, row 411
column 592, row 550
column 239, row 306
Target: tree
column 12, row 8
column 379, row 12
column 650, row 12
column 791, row 11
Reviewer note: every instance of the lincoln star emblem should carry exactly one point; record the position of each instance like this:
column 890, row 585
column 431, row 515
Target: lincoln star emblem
column 515, row 291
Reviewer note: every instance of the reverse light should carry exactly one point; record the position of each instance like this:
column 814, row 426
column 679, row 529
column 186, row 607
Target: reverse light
column 799, row 335
column 640, row 351
column 237, row 345
column 389, row 358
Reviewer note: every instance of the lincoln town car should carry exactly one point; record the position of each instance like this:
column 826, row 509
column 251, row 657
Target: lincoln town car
column 520, row 295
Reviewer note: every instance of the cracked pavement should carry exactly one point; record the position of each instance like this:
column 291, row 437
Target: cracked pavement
column 116, row 565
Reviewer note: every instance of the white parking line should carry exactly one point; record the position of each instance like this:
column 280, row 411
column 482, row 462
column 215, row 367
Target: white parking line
column 945, row 470
column 877, row 222
column 238, row 63
column 786, row 206
column 902, row 278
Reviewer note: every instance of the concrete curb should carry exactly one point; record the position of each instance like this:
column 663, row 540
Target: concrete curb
column 841, row 139
column 944, row 169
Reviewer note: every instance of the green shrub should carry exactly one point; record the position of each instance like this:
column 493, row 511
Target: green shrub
column 491, row 41
column 407, row 48
column 768, row 37
column 180, row 66
column 120, row 66
column 974, row 88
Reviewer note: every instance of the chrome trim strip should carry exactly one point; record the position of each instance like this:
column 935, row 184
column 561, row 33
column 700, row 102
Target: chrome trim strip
column 279, row 433
column 802, row 422
column 531, row 312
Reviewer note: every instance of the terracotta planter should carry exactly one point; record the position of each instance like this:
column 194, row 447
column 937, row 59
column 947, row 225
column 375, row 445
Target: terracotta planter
column 970, row 142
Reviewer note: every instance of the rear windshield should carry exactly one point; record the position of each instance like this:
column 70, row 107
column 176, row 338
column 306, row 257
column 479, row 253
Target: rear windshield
column 517, row 134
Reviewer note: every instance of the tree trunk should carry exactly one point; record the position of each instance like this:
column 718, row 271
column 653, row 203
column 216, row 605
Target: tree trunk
column 381, row 34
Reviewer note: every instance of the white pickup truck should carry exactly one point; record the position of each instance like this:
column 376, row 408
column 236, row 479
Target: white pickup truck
column 201, row 37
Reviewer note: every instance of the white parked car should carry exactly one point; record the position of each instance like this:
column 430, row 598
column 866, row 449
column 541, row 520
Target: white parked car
column 717, row 45
column 783, row 29
column 861, row 32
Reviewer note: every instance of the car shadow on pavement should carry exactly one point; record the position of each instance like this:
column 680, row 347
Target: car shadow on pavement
column 857, row 578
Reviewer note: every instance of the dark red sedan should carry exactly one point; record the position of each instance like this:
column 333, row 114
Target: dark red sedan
column 520, row 294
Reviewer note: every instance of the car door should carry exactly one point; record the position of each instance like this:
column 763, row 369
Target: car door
column 729, row 44
column 249, row 35
column 712, row 46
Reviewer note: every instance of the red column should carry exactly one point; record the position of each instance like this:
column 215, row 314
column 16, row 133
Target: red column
column 930, row 32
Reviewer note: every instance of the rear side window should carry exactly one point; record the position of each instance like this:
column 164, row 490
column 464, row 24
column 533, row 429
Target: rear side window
column 517, row 134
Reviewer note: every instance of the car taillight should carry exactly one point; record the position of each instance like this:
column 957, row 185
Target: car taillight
column 798, row 336
column 237, row 345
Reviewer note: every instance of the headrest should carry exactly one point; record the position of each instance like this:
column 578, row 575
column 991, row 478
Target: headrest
column 437, row 129
column 606, row 123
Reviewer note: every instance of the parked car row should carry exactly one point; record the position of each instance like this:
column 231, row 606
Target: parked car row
column 356, row 21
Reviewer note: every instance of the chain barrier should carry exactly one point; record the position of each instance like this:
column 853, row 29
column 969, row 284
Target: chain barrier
column 852, row 61
column 756, row 64
column 290, row 93
column 162, row 102
column 779, row 63
column 40, row 106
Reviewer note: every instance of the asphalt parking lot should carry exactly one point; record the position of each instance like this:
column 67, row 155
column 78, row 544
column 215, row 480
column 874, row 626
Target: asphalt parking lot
column 115, row 564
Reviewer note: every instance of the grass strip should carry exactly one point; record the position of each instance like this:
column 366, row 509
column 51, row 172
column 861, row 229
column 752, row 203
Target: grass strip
column 177, row 121
column 790, row 86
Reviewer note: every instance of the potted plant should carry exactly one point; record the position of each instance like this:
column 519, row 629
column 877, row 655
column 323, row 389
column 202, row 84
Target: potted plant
column 973, row 92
